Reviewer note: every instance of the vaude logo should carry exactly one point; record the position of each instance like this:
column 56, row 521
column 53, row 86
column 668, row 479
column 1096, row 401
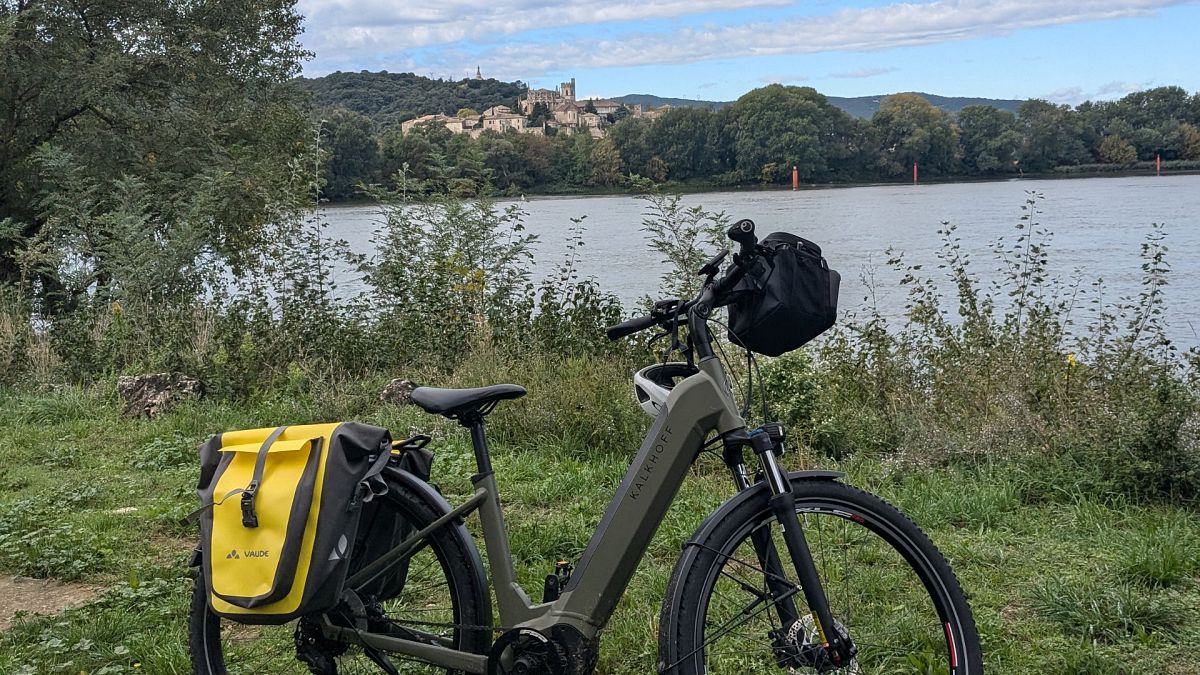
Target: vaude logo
column 233, row 555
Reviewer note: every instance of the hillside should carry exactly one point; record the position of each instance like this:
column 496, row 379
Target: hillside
column 858, row 106
column 390, row 98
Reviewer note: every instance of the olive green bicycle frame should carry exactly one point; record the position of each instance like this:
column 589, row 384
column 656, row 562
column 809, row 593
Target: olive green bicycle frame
column 696, row 406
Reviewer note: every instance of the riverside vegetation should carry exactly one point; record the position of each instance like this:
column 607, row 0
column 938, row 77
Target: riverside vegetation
column 754, row 141
column 155, row 184
column 1048, row 442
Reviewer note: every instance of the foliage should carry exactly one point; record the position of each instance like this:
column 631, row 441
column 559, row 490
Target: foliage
column 391, row 98
column 759, row 138
column 908, row 130
column 1031, row 367
column 189, row 105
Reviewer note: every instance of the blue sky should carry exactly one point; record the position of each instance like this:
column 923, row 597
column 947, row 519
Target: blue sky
column 1064, row 51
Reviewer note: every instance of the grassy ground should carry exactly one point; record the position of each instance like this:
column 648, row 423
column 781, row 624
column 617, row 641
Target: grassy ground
column 1067, row 585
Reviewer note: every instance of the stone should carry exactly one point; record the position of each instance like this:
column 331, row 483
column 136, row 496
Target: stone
column 156, row 393
column 397, row 392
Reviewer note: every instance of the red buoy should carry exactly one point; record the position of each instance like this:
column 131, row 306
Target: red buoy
column 914, row 173
column 795, row 177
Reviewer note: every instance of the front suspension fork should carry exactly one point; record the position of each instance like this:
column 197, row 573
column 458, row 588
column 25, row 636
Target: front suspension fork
column 783, row 507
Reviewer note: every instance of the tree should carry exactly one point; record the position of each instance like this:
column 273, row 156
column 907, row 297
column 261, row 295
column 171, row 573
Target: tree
column 1116, row 150
column 352, row 154
column 606, row 163
column 908, row 129
column 990, row 139
column 631, row 139
column 590, row 107
column 466, row 112
column 788, row 126
column 191, row 103
column 539, row 114
column 681, row 139
column 1191, row 141
column 1052, row 136
column 620, row 114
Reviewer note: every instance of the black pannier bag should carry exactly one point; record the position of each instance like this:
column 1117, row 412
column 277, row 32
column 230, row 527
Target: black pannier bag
column 382, row 529
column 787, row 300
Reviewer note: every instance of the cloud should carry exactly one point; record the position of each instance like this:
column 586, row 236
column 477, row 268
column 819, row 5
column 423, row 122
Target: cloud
column 338, row 29
column 862, row 73
column 848, row 30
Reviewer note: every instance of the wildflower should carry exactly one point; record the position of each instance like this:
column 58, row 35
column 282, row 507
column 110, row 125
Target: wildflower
column 1071, row 362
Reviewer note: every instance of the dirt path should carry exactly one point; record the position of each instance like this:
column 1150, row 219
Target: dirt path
column 39, row 596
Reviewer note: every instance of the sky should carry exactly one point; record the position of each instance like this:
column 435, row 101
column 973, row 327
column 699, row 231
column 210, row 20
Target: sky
column 1065, row 51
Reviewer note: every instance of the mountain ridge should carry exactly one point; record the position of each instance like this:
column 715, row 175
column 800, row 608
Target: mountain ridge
column 858, row 106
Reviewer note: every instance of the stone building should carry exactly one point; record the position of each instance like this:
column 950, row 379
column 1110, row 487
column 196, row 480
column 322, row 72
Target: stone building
column 551, row 98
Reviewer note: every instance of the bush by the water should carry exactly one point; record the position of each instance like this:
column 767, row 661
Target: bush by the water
column 1090, row 396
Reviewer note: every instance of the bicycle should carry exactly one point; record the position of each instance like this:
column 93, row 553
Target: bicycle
column 797, row 572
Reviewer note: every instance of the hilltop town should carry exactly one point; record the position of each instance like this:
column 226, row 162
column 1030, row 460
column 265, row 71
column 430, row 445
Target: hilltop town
column 540, row 111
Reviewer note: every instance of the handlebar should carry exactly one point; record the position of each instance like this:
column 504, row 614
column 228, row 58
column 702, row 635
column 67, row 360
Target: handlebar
column 741, row 232
column 638, row 323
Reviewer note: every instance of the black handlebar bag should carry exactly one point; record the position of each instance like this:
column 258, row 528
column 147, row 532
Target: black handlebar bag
column 787, row 300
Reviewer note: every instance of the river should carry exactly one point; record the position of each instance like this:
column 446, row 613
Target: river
column 1098, row 227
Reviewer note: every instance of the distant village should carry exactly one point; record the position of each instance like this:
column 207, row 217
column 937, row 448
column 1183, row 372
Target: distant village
column 540, row 111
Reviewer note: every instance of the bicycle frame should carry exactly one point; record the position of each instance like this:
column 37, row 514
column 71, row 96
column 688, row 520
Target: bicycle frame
column 696, row 406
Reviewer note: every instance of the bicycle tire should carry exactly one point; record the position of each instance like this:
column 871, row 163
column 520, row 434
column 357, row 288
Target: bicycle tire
column 684, row 647
column 450, row 549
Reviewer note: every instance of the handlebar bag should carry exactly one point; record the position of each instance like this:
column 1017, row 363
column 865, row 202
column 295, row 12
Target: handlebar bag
column 788, row 299
column 279, row 513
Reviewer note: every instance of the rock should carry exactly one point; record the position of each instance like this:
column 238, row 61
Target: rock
column 154, row 394
column 397, row 392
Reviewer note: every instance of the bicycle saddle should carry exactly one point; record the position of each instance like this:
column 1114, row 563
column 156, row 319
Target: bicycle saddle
column 455, row 403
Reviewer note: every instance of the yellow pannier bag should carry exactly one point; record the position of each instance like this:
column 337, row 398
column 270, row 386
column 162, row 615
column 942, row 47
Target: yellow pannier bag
column 279, row 514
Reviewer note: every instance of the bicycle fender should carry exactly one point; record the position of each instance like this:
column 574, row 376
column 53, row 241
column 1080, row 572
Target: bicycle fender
column 757, row 491
column 433, row 498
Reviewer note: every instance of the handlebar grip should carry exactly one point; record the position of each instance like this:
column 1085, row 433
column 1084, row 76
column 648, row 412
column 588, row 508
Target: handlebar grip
column 630, row 327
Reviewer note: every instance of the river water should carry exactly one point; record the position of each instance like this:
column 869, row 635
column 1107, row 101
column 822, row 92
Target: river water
column 1098, row 226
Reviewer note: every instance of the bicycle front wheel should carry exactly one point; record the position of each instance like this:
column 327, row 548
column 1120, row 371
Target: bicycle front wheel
column 889, row 589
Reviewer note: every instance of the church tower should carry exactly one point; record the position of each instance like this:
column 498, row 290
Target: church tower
column 568, row 90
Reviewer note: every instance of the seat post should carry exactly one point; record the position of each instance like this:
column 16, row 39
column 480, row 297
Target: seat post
column 483, row 460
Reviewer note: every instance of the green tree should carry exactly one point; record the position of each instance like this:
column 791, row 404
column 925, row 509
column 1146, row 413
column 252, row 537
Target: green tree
column 352, row 154
column 1116, row 150
column 192, row 103
column 631, row 138
column 788, row 126
column 909, row 129
column 606, row 163
column 681, row 139
column 1052, row 136
column 502, row 159
column 621, row 114
column 539, row 114
column 990, row 139
column 590, row 106
column 466, row 112
column 1190, row 134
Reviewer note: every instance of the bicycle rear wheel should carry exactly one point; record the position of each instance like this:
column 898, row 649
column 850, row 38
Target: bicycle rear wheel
column 445, row 598
column 889, row 589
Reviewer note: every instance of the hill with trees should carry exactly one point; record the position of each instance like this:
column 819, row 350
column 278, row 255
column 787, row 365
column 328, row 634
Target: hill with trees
column 857, row 106
column 390, row 98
